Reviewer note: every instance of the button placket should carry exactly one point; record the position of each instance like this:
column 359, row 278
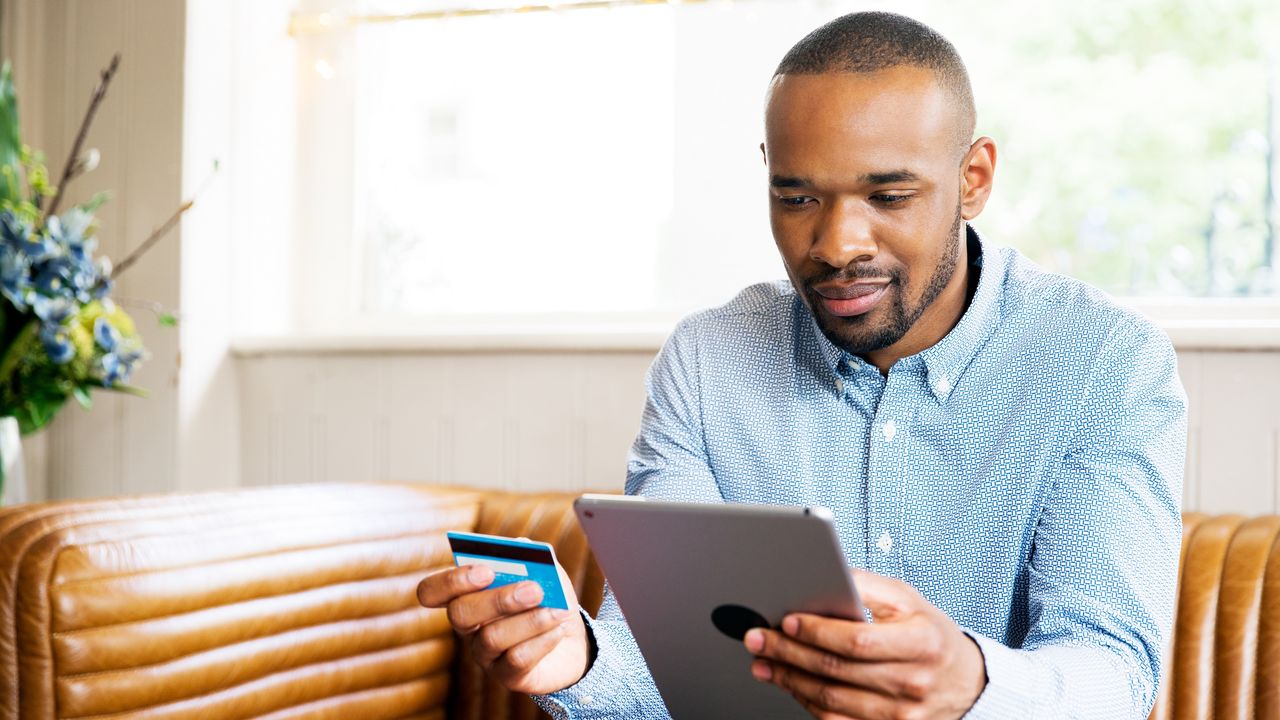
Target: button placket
column 887, row 450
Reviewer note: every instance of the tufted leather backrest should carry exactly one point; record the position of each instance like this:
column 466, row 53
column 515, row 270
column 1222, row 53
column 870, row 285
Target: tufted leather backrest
column 299, row 601
column 1225, row 663
column 272, row 602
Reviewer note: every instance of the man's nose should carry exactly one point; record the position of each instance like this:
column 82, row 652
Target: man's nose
column 843, row 236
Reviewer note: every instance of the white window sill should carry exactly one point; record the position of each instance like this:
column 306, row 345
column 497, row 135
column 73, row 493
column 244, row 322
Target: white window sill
column 499, row 339
column 1187, row 335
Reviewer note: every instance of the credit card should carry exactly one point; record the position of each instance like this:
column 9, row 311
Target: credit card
column 512, row 561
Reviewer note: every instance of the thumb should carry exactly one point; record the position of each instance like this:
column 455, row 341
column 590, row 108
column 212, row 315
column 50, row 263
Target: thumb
column 887, row 598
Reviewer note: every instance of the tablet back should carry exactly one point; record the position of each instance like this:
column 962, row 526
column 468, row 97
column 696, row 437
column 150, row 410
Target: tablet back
column 692, row 578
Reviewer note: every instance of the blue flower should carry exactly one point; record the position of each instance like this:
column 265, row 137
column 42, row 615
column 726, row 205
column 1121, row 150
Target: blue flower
column 52, row 311
column 15, row 279
column 113, row 370
column 102, row 289
column 57, row 343
column 52, row 278
column 12, row 230
column 117, row 367
column 105, row 334
column 68, row 235
column 38, row 246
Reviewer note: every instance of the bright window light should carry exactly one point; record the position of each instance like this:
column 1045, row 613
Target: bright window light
column 606, row 161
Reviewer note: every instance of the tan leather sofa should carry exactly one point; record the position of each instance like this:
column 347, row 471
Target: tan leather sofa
column 298, row 602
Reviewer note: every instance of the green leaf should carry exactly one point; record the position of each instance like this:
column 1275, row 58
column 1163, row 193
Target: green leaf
column 81, row 394
column 167, row 319
column 10, row 139
column 38, row 411
column 133, row 390
column 96, row 202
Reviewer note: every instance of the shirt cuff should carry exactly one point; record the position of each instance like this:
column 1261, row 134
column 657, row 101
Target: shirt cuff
column 1011, row 682
column 595, row 696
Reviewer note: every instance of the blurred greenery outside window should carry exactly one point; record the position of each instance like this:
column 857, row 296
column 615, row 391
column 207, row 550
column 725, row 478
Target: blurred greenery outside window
column 605, row 161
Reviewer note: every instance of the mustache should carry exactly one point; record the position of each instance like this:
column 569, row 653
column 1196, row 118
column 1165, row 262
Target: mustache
column 855, row 272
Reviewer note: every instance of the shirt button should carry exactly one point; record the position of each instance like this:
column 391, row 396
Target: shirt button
column 839, row 386
column 943, row 387
column 885, row 543
column 586, row 700
column 890, row 429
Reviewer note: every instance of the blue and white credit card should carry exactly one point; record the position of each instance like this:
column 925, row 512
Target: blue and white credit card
column 512, row 561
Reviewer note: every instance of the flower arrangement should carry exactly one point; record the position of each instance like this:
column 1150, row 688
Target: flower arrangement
column 61, row 335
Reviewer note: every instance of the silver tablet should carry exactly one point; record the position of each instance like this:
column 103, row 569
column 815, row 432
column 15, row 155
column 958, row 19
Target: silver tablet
column 691, row 579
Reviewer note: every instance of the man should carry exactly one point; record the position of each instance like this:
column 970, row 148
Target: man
column 1002, row 448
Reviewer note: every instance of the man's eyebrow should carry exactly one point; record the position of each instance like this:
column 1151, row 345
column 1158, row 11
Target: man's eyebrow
column 892, row 176
column 786, row 181
column 876, row 178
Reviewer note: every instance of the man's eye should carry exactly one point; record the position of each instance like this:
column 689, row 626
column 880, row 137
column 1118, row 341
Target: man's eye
column 890, row 198
column 795, row 200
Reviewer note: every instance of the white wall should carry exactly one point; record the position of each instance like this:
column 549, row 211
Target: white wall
column 564, row 420
column 552, row 420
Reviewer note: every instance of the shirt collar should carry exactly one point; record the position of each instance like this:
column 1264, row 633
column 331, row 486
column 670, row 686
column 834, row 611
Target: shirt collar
column 945, row 361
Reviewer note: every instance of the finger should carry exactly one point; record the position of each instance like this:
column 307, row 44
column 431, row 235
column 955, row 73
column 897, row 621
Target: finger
column 519, row 660
column 886, row 598
column 824, row 696
column 469, row 612
column 499, row 636
column 442, row 587
column 876, row 642
column 819, row 713
column 886, row 678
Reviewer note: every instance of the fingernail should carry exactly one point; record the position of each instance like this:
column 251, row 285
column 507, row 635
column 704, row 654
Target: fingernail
column 754, row 640
column 790, row 624
column 479, row 574
column 527, row 594
column 761, row 670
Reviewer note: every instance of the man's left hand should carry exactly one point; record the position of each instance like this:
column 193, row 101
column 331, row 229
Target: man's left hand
column 912, row 662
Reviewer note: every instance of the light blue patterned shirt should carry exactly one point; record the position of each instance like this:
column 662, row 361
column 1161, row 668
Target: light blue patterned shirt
column 1024, row 474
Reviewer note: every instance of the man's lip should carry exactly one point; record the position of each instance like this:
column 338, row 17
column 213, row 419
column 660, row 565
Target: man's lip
column 849, row 291
column 852, row 300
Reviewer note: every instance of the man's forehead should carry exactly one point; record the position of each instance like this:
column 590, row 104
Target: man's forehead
column 898, row 114
column 853, row 97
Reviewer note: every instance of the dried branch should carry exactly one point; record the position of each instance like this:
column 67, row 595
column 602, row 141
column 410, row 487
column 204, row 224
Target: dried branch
column 152, row 239
column 98, row 94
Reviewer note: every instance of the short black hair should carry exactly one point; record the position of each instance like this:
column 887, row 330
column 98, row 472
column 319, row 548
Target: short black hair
column 866, row 42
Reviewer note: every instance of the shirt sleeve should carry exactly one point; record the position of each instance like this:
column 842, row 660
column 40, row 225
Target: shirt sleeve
column 1103, row 567
column 668, row 461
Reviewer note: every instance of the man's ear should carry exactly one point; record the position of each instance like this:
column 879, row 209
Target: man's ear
column 763, row 156
column 977, row 173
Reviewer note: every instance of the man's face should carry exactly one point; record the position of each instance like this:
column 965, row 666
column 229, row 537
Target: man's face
column 864, row 198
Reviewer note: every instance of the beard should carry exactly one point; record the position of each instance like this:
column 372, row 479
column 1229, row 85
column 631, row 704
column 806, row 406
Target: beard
column 861, row 334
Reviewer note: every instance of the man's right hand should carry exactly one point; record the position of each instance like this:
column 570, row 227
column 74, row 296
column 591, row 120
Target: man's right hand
column 526, row 648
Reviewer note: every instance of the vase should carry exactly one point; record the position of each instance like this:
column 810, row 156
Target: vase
column 13, row 477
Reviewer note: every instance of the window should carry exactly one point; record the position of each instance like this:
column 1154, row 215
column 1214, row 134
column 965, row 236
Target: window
column 604, row 162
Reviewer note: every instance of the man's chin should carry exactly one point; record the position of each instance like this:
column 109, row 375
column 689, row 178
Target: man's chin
column 857, row 334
